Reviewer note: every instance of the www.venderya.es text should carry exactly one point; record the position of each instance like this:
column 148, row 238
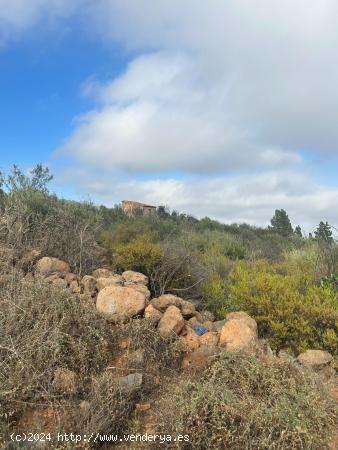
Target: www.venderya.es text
column 98, row 437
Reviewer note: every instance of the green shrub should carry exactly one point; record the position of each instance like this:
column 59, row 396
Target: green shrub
column 30, row 217
column 239, row 403
column 140, row 254
column 291, row 311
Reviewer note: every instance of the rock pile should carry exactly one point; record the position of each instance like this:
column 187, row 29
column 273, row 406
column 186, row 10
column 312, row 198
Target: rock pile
column 121, row 297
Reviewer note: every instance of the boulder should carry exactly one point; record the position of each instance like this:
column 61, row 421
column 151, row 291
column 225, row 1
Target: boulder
column 190, row 339
column 187, row 309
column 316, row 359
column 193, row 322
column 102, row 273
column 131, row 382
column 164, row 301
column 152, row 313
column 64, row 381
column 209, row 325
column 239, row 333
column 141, row 288
column 48, row 266
column 199, row 317
column 89, row 285
column 209, row 338
column 244, row 317
column 135, row 277
column 172, row 322
column 113, row 280
column 120, row 303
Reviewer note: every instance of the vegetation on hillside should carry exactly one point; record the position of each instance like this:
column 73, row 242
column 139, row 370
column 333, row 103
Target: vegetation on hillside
column 286, row 281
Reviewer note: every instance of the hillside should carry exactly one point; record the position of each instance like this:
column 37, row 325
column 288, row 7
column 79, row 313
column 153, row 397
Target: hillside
column 111, row 324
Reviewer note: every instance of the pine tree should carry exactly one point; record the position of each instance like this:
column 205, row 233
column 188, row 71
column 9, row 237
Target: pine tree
column 323, row 233
column 280, row 223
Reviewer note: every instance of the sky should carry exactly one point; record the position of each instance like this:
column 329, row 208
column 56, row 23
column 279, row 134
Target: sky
column 225, row 108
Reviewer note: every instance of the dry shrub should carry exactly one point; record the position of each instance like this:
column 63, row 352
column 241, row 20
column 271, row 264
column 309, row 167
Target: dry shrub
column 238, row 403
column 41, row 329
column 159, row 353
column 110, row 407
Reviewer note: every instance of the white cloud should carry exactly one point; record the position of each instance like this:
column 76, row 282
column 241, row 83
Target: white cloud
column 19, row 16
column 160, row 115
column 278, row 57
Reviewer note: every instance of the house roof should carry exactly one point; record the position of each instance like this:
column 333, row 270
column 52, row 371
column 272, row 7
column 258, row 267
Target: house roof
column 137, row 204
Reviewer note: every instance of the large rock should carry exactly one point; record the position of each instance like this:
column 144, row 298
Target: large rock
column 135, row 277
column 102, row 273
column 48, row 266
column 239, row 333
column 193, row 322
column 152, row 313
column 119, row 303
column 209, row 338
column 316, row 359
column 190, row 339
column 141, row 288
column 164, row 301
column 172, row 322
column 113, row 280
column 131, row 382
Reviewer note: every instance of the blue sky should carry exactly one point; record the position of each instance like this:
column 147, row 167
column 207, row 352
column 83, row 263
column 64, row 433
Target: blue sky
column 226, row 109
column 41, row 83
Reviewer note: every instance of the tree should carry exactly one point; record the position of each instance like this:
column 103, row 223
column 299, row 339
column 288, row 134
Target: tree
column 280, row 223
column 163, row 212
column 323, row 233
column 298, row 231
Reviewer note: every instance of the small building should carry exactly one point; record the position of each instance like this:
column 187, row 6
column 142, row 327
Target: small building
column 130, row 207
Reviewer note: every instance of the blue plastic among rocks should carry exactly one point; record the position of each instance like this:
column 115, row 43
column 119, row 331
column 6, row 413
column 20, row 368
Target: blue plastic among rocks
column 200, row 330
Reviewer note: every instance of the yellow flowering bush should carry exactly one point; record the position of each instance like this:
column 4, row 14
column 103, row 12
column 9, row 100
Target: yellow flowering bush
column 291, row 311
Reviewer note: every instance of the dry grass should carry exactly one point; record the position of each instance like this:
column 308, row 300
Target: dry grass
column 241, row 404
column 42, row 329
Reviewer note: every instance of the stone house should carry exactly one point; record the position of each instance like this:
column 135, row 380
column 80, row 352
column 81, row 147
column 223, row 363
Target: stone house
column 129, row 207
